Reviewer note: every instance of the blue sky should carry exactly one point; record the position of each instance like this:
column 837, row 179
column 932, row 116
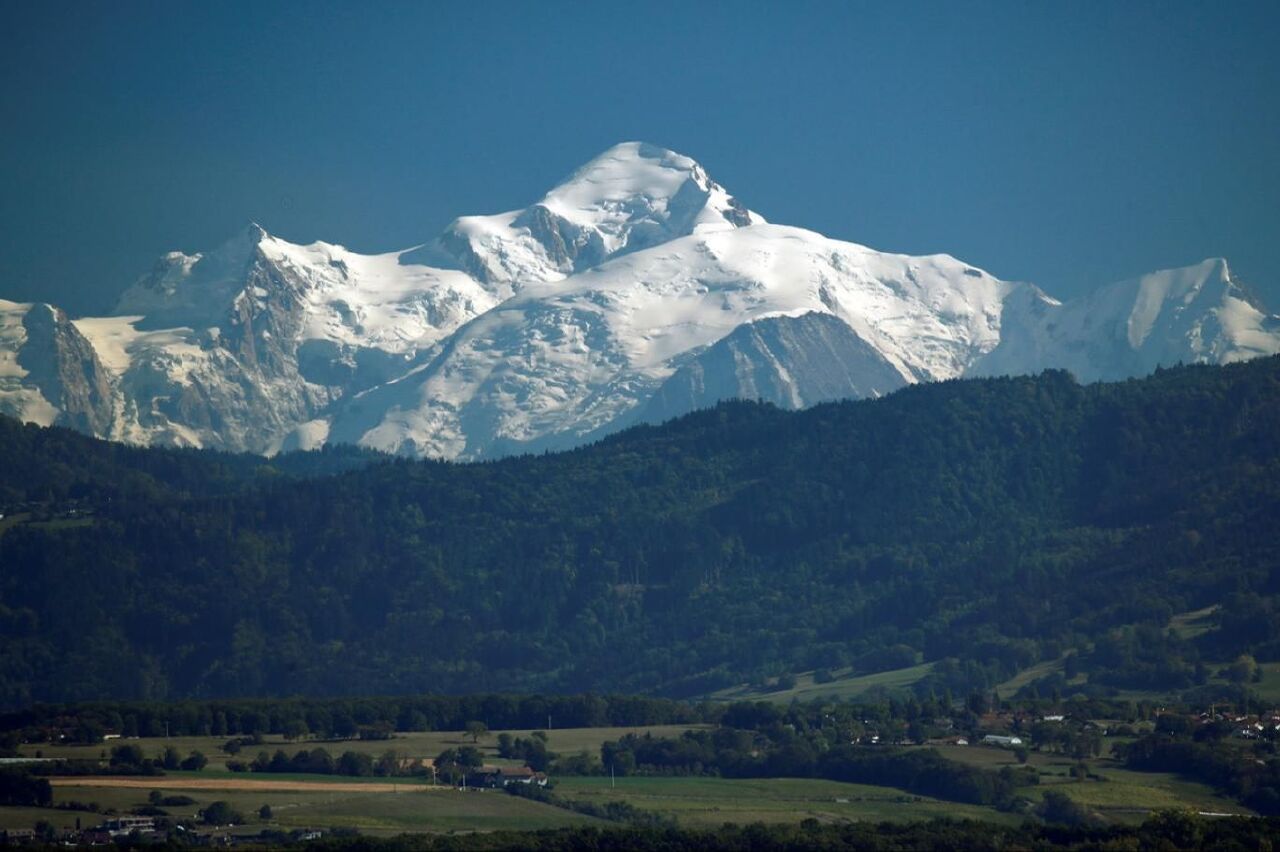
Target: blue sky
column 1070, row 144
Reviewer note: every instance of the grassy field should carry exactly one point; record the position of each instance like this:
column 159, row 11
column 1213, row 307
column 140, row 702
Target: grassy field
column 1186, row 625
column 1269, row 686
column 848, row 686
column 714, row 801
column 1122, row 794
column 1026, row 676
column 1189, row 625
column 415, row 745
column 844, row 687
column 10, row 521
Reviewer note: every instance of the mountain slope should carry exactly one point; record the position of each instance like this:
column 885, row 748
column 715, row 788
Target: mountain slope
column 566, row 361
column 791, row 362
column 983, row 525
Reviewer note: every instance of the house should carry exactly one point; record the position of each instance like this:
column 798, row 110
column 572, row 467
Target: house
column 501, row 776
column 17, row 835
column 521, row 775
column 1004, row 742
column 121, row 826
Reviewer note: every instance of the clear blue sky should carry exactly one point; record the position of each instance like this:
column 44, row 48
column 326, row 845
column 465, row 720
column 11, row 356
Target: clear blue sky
column 1069, row 144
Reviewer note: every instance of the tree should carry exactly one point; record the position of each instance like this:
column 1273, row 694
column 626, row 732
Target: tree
column 476, row 730
column 295, row 729
column 355, row 764
column 221, row 813
column 171, row 758
column 1243, row 669
column 1181, row 828
column 388, row 763
column 195, row 762
column 265, row 813
column 1061, row 808
column 127, row 755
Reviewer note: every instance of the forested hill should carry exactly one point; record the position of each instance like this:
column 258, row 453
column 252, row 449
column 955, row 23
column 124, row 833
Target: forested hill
column 985, row 525
column 57, row 466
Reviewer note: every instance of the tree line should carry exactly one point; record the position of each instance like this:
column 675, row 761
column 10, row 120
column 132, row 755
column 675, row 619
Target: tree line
column 344, row 718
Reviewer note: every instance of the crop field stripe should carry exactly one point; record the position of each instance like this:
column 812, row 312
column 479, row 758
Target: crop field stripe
column 169, row 782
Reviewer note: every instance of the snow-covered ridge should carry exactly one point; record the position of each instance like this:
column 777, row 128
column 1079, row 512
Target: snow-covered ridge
column 636, row 289
column 1193, row 314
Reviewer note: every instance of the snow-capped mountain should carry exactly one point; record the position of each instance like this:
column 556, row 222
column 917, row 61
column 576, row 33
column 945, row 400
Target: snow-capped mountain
column 1196, row 314
column 635, row 290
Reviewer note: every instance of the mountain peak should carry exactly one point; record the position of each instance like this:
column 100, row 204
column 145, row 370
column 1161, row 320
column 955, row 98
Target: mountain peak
column 632, row 196
column 635, row 182
column 255, row 233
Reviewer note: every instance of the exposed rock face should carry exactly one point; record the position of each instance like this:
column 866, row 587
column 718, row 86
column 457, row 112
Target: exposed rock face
column 65, row 369
column 233, row 381
column 792, row 362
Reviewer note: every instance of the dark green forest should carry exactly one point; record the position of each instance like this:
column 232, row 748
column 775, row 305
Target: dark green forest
column 983, row 524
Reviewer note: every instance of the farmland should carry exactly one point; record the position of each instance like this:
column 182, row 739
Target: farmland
column 394, row 805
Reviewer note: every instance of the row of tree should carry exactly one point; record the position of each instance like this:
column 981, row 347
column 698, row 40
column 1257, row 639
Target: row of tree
column 345, row 718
